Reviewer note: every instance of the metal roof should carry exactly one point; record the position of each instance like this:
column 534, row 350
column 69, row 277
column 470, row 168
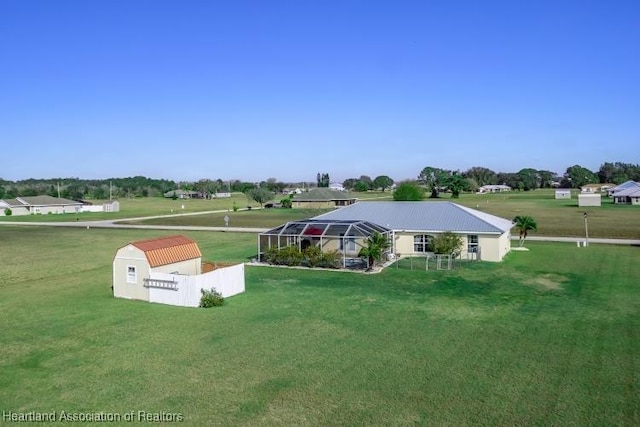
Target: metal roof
column 168, row 250
column 327, row 228
column 43, row 200
column 422, row 216
column 624, row 186
column 628, row 192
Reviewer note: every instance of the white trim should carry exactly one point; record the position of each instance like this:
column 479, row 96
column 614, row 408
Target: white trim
column 132, row 279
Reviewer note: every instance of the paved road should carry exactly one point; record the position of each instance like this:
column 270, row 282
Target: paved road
column 114, row 224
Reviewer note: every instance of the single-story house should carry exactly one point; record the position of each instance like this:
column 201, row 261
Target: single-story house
column 319, row 198
column 589, row 199
column 415, row 224
column 181, row 194
column 596, row 188
column 629, row 195
column 35, row 205
column 563, row 193
column 493, row 189
column 169, row 270
column 624, row 186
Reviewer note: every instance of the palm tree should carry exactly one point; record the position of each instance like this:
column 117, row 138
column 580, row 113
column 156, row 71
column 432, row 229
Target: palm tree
column 524, row 223
column 377, row 244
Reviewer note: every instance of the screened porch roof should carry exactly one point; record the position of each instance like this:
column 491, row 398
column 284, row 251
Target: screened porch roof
column 327, row 228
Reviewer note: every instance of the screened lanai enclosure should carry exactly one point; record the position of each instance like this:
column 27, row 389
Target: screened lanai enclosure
column 346, row 237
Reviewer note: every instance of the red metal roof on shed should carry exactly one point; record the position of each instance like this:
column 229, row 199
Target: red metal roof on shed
column 168, row 250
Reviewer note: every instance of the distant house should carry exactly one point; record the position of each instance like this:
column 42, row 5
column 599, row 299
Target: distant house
column 181, row 194
column 624, row 186
column 563, row 193
column 39, row 205
column 493, row 189
column 168, row 270
column 336, row 186
column 589, row 199
column 319, row 198
column 596, row 188
column 630, row 194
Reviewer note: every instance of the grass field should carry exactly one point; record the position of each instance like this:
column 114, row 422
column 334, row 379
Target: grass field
column 554, row 217
column 264, row 218
column 548, row 337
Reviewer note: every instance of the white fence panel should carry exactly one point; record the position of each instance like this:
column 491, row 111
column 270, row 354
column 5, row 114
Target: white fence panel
column 92, row 208
column 229, row 281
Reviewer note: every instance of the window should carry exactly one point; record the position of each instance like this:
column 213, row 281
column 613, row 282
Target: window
column 347, row 244
column 472, row 243
column 422, row 243
column 131, row 274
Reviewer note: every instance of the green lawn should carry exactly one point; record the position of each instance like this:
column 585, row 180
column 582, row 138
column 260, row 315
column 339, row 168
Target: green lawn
column 550, row 336
column 559, row 217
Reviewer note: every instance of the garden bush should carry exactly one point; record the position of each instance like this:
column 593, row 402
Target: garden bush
column 311, row 257
column 211, row 298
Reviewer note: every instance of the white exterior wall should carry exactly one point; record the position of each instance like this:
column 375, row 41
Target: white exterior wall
column 560, row 194
column 229, row 281
column 113, row 206
column 125, row 257
column 92, row 208
column 493, row 247
column 588, row 199
column 15, row 211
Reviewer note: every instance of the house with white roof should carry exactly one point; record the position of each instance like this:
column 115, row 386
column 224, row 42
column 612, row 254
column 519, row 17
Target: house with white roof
column 621, row 187
column 626, row 193
column 493, row 189
column 39, row 205
column 415, row 224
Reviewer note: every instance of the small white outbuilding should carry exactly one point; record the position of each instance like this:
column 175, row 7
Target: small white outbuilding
column 589, row 199
column 168, row 270
column 563, row 193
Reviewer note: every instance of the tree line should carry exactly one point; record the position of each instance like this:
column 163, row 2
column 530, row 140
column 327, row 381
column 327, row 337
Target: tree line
column 434, row 179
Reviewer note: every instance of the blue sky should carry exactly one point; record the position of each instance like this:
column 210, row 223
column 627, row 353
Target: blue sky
column 250, row 90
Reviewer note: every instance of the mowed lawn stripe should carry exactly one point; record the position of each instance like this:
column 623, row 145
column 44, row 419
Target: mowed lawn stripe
column 549, row 336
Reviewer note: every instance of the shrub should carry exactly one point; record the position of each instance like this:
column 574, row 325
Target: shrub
column 8, row 212
column 286, row 203
column 235, row 207
column 290, row 255
column 447, row 243
column 211, row 298
column 330, row 259
column 313, row 255
column 310, row 257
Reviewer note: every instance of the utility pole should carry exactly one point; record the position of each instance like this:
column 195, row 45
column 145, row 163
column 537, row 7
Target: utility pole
column 58, row 189
column 586, row 230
